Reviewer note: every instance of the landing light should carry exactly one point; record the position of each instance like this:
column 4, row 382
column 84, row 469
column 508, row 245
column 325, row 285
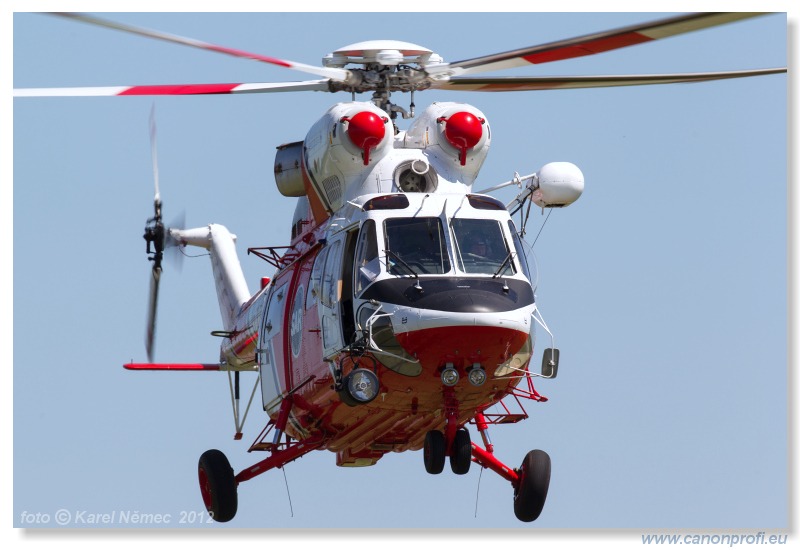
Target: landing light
column 362, row 385
column 476, row 376
column 450, row 376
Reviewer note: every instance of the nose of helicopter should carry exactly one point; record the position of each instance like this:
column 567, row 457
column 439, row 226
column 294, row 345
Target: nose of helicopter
column 463, row 346
column 461, row 322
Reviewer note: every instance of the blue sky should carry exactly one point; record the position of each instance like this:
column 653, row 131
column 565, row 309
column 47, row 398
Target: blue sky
column 665, row 284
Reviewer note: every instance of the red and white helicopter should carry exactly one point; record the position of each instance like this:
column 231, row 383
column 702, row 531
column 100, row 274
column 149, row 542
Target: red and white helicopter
column 403, row 306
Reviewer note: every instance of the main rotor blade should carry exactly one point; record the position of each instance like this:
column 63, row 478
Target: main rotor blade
column 177, row 89
column 535, row 83
column 588, row 44
column 327, row 72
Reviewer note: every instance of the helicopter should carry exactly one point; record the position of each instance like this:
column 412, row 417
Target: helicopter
column 362, row 313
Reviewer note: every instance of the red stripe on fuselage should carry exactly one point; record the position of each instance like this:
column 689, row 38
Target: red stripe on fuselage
column 588, row 48
column 243, row 346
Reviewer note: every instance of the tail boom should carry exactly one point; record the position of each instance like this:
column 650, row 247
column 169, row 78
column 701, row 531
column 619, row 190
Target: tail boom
column 232, row 291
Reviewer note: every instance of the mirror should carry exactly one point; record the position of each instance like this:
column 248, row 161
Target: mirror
column 550, row 363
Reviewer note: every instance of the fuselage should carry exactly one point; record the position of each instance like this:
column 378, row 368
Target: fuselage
column 409, row 276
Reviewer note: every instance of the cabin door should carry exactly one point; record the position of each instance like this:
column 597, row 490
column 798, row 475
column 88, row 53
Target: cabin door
column 269, row 346
column 336, row 295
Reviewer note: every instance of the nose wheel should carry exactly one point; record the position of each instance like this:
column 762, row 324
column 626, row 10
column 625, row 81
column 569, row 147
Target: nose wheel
column 434, row 452
column 461, row 452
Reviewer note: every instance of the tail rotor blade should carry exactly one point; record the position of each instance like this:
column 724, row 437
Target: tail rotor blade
column 156, row 235
column 154, row 152
column 151, row 312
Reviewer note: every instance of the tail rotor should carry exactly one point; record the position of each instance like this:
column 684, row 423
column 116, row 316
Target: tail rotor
column 159, row 240
column 154, row 235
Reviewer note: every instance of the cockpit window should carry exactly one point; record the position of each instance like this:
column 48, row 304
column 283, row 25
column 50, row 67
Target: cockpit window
column 481, row 248
column 415, row 246
column 523, row 260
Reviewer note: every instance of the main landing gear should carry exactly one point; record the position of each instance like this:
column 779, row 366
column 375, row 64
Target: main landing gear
column 531, row 491
column 217, row 485
column 530, row 481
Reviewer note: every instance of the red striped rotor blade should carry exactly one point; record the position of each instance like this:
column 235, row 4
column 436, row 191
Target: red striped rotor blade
column 327, row 72
column 589, row 44
column 177, row 89
column 537, row 83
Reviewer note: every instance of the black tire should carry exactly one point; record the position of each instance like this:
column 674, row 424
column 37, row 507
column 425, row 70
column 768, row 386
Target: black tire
column 534, row 480
column 217, row 485
column 461, row 457
column 434, row 452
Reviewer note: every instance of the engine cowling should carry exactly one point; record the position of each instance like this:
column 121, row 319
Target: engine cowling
column 455, row 136
column 341, row 148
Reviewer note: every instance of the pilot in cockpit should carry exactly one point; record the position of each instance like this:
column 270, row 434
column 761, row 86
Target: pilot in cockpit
column 478, row 245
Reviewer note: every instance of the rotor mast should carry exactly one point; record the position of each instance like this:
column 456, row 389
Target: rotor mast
column 388, row 66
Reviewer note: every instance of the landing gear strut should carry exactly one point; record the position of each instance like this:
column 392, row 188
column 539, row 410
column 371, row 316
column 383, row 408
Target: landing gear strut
column 530, row 481
column 453, row 442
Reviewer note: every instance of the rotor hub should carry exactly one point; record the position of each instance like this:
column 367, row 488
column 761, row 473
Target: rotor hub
column 382, row 52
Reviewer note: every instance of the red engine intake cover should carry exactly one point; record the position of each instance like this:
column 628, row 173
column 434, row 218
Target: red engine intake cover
column 463, row 131
column 366, row 130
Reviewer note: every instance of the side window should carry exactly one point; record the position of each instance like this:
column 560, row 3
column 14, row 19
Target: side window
column 274, row 319
column 331, row 276
column 523, row 260
column 315, row 283
column 367, row 265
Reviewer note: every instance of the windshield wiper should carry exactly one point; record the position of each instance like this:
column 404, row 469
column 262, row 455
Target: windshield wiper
column 503, row 266
column 403, row 263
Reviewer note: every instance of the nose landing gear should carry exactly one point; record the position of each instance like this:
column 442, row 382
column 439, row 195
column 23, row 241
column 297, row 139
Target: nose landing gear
column 530, row 481
column 435, row 452
column 461, row 452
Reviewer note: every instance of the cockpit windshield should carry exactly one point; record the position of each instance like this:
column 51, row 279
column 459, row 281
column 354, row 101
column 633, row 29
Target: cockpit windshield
column 416, row 246
column 481, row 248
